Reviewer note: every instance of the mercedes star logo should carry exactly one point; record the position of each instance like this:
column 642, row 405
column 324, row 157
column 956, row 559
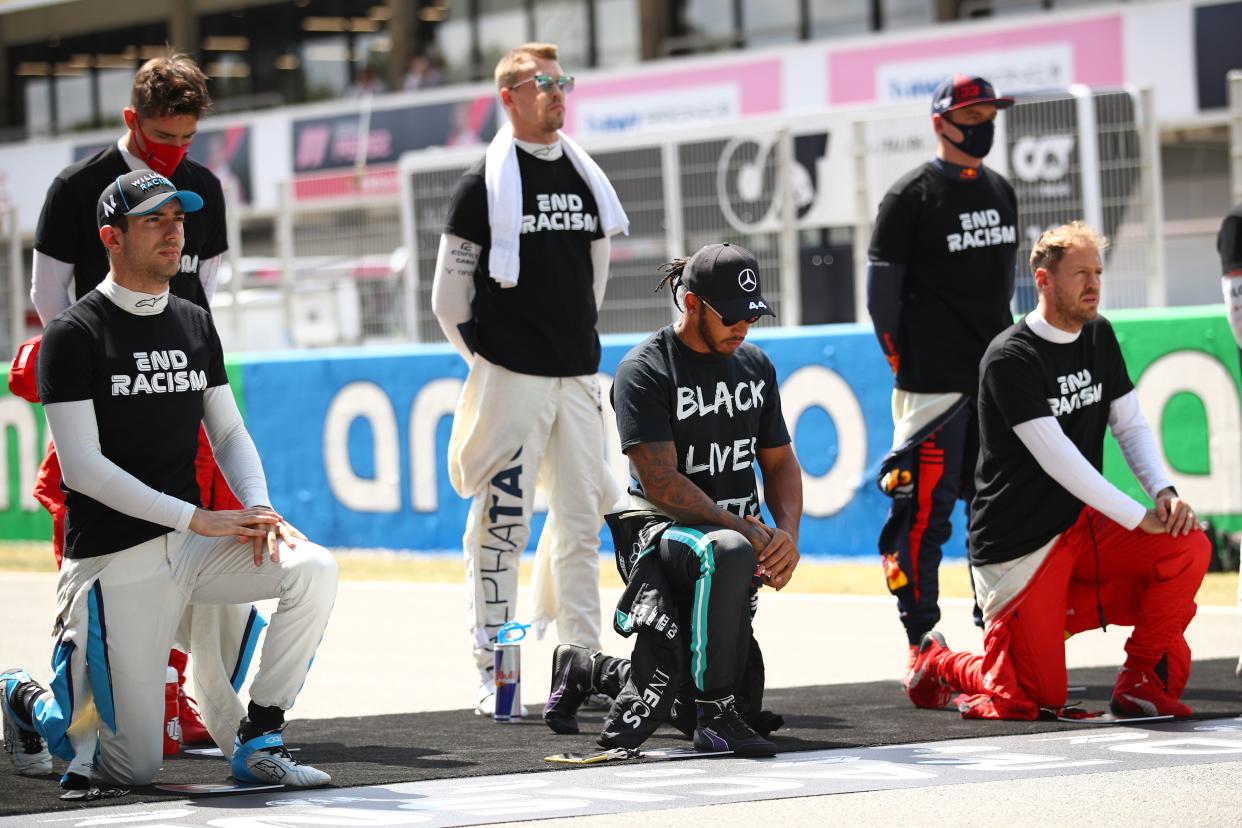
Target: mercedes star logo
column 747, row 280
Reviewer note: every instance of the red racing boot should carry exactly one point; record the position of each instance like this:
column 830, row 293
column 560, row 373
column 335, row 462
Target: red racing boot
column 1140, row 693
column 923, row 683
column 193, row 731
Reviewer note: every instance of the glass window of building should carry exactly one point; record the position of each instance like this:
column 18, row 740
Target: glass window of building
column 503, row 24
column 905, row 14
column 74, row 108
column 35, row 91
column 617, row 32
column 325, row 66
column 452, row 42
column 709, row 24
column 564, row 22
column 769, row 22
column 839, row 18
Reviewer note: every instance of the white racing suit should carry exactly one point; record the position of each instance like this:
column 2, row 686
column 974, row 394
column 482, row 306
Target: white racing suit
column 118, row 615
column 511, row 431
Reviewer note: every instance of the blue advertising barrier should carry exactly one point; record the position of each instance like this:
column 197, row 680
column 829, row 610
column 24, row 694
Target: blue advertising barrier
column 354, row 443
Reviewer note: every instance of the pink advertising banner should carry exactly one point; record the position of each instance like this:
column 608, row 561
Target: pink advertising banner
column 1020, row 59
column 670, row 97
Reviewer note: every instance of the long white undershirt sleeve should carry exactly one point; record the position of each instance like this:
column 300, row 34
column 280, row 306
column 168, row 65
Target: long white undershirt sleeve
column 1063, row 462
column 49, row 286
column 452, row 288
column 84, row 469
column 601, row 256
column 233, row 447
column 1137, row 444
column 209, row 275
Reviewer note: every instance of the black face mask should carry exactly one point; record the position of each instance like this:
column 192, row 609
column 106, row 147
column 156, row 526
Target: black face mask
column 976, row 138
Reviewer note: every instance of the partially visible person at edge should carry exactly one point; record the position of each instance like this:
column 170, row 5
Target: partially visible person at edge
column 1229, row 245
column 939, row 282
column 1057, row 549
column 693, row 548
column 519, row 281
column 168, row 96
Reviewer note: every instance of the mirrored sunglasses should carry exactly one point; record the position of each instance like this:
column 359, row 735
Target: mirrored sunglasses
column 544, row 82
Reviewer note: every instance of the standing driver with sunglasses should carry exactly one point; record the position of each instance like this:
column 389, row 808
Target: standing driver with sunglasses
column 520, row 277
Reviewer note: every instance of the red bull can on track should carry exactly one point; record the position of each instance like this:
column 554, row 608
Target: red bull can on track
column 508, row 672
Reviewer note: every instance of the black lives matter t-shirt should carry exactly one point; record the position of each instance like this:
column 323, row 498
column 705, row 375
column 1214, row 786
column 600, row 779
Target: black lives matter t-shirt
column 68, row 230
column 146, row 376
column 545, row 324
column 1017, row 506
column 717, row 411
column 957, row 239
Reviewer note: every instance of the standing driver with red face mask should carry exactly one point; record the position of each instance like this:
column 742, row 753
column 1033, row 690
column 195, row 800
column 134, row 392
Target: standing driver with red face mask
column 168, row 97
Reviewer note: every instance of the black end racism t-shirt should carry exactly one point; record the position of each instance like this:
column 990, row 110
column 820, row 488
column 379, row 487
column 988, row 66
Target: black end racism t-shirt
column 545, row 324
column 68, row 230
column 1017, row 506
column 146, row 376
column 957, row 239
column 717, row 411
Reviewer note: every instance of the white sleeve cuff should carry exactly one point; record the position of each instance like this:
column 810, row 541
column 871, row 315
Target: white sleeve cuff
column 233, row 447
column 209, row 275
column 452, row 288
column 601, row 258
column 1137, row 443
column 49, row 286
column 1061, row 460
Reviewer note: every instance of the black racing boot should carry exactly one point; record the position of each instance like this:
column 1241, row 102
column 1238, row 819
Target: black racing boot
column 722, row 730
column 573, row 680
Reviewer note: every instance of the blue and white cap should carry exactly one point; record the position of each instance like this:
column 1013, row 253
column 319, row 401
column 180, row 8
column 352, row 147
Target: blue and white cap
column 140, row 192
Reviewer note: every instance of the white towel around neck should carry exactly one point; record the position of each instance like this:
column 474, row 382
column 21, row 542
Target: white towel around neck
column 504, row 200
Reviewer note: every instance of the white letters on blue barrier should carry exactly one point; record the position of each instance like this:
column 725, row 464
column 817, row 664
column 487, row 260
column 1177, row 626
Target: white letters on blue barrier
column 381, row 493
column 817, row 386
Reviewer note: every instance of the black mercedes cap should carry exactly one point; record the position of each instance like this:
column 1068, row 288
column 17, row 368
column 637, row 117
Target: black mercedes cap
column 727, row 276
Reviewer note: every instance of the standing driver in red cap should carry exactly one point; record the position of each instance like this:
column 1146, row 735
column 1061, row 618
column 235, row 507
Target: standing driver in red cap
column 939, row 281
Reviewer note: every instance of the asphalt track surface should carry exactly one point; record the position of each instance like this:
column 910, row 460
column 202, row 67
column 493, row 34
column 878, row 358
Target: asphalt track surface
column 392, row 651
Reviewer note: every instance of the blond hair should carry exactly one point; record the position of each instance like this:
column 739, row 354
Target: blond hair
column 519, row 59
column 1055, row 243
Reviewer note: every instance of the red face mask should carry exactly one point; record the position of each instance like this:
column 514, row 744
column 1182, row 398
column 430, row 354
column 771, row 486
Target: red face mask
column 163, row 158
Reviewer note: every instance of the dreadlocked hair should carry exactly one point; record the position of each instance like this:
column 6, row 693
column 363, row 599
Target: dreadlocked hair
column 672, row 277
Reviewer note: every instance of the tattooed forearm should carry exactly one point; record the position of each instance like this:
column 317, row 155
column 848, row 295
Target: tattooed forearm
column 674, row 493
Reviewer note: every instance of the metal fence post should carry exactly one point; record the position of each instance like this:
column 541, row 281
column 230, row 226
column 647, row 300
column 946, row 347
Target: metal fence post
column 17, row 282
column 284, row 253
column 232, row 229
column 1235, row 132
column 409, row 240
column 862, row 223
column 674, row 224
column 787, row 238
column 1153, row 197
